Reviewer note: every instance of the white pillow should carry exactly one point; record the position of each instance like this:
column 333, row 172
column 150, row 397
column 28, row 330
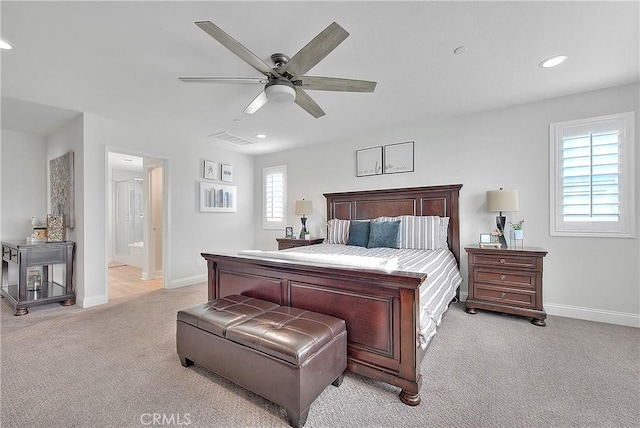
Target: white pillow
column 337, row 231
column 421, row 232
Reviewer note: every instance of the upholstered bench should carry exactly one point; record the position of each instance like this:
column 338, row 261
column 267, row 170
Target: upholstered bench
column 284, row 354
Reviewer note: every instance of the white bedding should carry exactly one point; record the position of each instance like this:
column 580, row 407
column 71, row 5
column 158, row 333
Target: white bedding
column 443, row 275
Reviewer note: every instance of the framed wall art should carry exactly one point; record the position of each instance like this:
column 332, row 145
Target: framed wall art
column 398, row 158
column 62, row 188
column 227, row 173
column 210, row 170
column 217, row 197
column 369, row 161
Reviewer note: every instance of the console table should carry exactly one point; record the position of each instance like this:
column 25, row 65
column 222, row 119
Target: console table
column 42, row 254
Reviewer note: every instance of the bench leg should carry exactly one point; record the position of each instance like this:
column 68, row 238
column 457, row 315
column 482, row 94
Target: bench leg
column 338, row 380
column 297, row 421
column 185, row 361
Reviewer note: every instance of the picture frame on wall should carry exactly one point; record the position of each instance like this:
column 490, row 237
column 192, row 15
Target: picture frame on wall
column 210, row 170
column 215, row 197
column 398, row 158
column 227, row 173
column 61, row 170
column 369, row 161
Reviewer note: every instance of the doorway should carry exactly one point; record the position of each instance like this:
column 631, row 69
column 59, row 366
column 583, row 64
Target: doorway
column 136, row 224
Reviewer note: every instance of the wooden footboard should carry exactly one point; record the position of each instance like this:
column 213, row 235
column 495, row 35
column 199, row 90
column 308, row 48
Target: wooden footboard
column 380, row 309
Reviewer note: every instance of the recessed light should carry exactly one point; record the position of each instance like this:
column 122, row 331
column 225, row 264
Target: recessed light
column 460, row 50
column 261, row 135
column 127, row 160
column 553, row 61
column 5, row 45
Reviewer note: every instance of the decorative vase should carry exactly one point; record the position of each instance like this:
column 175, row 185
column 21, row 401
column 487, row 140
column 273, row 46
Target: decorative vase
column 55, row 228
column 518, row 234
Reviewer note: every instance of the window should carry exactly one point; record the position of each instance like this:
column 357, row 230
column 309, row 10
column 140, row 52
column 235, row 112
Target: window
column 592, row 177
column 275, row 197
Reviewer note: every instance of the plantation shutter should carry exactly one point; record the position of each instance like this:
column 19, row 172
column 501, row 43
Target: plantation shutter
column 275, row 197
column 590, row 174
column 592, row 177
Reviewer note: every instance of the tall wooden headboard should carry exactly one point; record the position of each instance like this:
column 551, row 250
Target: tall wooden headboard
column 420, row 201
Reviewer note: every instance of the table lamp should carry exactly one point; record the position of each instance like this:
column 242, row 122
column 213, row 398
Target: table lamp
column 502, row 200
column 303, row 207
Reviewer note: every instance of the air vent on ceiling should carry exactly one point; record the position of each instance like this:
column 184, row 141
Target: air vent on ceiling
column 231, row 139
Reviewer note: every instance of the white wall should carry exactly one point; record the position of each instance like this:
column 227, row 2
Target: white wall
column 589, row 278
column 189, row 231
column 24, row 183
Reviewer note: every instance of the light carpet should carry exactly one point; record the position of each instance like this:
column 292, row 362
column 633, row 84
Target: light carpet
column 115, row 365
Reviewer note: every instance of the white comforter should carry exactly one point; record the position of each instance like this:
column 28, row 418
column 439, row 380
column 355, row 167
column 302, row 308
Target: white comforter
column 443, row 275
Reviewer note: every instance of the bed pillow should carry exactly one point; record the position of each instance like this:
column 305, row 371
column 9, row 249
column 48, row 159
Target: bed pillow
column 423, row 232
column 337, row 231
column 358, row 233
column 383, row 234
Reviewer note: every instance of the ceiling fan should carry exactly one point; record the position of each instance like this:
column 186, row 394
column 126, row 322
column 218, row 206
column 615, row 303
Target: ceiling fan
column 286, row 82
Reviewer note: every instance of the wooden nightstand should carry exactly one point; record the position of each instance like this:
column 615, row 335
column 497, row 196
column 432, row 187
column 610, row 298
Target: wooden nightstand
column 506, row 280
column 284, row 243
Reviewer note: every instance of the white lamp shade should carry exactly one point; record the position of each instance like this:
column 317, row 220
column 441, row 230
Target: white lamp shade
column 280, row 93
column 502, row 200
column 303, row 207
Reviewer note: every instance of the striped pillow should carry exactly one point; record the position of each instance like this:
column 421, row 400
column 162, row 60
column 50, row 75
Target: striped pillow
column 337, row 231
column 421, row 232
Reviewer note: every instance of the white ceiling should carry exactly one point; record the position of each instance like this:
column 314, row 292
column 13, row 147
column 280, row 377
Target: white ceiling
column 121, row 60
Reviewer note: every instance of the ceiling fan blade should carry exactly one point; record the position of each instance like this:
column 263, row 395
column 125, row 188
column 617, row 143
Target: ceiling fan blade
column 234, row 46
column 304, row 100
column 224, row 79
column 335, row 84
column 257, row 102
column 315, row 50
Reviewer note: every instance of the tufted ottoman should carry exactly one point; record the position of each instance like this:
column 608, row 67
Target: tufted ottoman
column 284, row 354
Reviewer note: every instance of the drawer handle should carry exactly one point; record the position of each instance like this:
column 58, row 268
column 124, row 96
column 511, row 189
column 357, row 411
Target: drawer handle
column 502, row 261
column 503, row 277
column 502, row 295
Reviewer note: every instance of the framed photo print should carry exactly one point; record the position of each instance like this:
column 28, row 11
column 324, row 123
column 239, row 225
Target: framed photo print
column 227, row 173
column 398, row 158
column 288, row 232
column 210, row 170
column 218, row 198
column 369, row 161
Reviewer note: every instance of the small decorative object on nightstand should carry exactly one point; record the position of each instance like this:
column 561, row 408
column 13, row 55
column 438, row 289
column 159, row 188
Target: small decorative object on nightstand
column 506, row 280
column 284, row 243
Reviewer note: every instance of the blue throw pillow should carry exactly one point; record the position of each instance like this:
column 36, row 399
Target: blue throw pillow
column 358, row 233
column 384, row 234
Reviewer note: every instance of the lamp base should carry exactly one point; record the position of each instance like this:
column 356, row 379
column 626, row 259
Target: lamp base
column 303, row 231
column 500, row 222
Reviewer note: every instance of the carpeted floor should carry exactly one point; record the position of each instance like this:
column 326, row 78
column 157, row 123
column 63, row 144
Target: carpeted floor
column 115, row 366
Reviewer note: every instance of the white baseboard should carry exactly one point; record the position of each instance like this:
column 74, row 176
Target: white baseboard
column 91, row 301
column 589, row 314
column 190, row 280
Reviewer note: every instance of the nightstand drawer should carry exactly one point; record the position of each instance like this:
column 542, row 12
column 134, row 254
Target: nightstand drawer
column 507, row 260
column 506, row 278
column 506, row 296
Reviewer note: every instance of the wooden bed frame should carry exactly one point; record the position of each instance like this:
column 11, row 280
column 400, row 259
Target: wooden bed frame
column 380, row 308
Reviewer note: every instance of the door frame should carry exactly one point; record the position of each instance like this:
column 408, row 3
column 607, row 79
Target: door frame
column 150, row 160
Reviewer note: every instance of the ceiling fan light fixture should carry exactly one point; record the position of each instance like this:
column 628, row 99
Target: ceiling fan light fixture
column 280, row 92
